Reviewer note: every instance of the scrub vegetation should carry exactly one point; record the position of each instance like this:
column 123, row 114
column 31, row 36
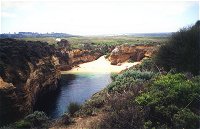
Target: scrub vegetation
column 159, row 93
column 163, row 92
column 80, row 42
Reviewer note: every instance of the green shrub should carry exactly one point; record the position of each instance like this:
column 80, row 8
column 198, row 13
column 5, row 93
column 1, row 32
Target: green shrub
column 23, row 124
column 136, row 75
column 35, row 120
column 170, row 98
column 148, row 64
column 128, row 79
column 38, row 118
column 185, row 118
column 73, row 107
column 182, row 51
column 113, row 76
column 121, row 84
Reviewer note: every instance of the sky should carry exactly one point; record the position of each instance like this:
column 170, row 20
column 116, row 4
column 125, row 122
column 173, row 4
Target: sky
column 97, row 17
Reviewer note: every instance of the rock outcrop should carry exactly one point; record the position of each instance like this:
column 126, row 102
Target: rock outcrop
column 27, row 70
column 85, row 54
column 125, row 52
column 78, row 56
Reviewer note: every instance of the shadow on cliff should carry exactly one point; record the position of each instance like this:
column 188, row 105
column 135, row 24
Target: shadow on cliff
column 48, row 102
column 31, row 70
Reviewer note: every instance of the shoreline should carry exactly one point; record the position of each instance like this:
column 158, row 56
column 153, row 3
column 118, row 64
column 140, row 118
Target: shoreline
column 101, row 65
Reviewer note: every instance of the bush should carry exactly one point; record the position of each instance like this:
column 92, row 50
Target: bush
column 172, row 98
column 113, row 76
column 136, row 75
column 128, row 79
column 35, row 120
column 182, row 51
column 147, row 64
column 131, row 118
column 73, row 107
column 63, row 121
column 92, row 106
column 23, row 124
column 185, row 118
column 123, row 113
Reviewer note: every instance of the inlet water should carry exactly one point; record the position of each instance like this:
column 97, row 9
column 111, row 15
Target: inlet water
column 73, row 88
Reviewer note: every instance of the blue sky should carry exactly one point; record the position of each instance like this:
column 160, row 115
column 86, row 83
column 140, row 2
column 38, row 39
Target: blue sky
column 95, row 17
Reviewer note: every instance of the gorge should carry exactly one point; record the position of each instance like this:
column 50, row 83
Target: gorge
column 31, row 70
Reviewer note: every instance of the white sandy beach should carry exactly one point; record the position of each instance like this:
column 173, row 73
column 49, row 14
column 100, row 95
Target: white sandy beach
column 100, row 65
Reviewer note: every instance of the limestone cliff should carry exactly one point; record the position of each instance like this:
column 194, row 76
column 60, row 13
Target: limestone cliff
column 81, row 55
column 78, row 56
column 125, row 52
column 27, row 70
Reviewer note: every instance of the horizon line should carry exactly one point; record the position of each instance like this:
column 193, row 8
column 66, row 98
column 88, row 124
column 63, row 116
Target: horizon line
column 87, row 34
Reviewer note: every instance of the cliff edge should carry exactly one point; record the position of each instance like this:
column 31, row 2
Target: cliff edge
column 27, row 70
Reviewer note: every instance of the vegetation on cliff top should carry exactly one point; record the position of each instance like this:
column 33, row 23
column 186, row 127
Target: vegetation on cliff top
column 80, row 42
column 182, row 51
column 162, row 92
column 149, row 97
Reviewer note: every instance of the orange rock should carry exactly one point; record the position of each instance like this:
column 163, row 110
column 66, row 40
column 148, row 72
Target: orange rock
column 125, row 52
column 78, row 56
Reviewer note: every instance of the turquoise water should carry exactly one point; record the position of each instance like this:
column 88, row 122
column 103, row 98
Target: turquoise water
column 73, row 88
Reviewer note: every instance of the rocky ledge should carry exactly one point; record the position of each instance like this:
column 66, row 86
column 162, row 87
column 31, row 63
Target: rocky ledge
column 78, row 56
column 85, row 54
column 126, row 52
column 27, row 70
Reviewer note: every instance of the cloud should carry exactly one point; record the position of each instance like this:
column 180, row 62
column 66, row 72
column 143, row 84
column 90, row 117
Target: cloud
column 15, row 4
column 95, row 16
column 7, row 15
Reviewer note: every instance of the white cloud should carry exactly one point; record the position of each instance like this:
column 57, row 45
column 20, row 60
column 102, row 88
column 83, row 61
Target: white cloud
column 7, row 15
column 95, row 17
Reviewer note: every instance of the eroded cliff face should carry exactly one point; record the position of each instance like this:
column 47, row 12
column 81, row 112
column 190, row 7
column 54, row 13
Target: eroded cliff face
column 8, row 99
column 78, row 56
column 27, row 70
column 81, row 55
column 125, row 52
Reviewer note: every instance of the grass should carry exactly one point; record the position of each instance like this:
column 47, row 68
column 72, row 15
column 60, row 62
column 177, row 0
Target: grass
column 49, row 40
column 116, row 40
column 78, row 42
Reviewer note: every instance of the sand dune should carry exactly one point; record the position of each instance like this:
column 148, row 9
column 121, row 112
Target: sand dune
column 100, row 65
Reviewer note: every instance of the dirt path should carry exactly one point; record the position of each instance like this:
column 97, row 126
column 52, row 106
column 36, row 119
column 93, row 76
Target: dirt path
column 84, row 123
column 87, row 122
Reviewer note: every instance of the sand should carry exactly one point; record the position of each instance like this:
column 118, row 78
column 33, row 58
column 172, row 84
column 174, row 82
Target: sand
column 101, row 65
